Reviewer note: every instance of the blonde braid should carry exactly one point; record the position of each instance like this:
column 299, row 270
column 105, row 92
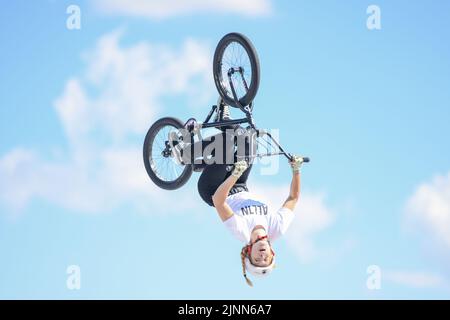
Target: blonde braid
column 243, row 256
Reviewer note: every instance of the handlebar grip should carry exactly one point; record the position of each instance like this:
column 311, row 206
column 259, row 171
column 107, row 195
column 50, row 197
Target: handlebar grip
column 291, row 158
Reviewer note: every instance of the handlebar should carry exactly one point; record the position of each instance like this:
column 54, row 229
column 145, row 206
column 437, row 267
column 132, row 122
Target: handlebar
column 291, row 156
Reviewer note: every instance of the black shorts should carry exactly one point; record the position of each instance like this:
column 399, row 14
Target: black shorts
column 214, row 174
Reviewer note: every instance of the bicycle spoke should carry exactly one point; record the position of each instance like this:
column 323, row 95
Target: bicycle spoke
column 164, row 167
column 235, row 56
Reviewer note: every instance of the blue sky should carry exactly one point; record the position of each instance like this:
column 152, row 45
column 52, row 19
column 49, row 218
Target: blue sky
column 370, row 107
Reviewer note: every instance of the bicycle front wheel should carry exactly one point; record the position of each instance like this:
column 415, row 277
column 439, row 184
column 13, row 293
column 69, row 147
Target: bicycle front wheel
column 236, row 59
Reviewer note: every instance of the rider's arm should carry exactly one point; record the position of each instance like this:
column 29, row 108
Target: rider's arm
column 294, row 193
column 219, row 197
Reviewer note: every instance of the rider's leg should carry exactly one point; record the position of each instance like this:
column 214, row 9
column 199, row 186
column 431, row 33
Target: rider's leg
column 246, row 149
column 244, row 139
column 214, row 149
column 211, row 178
column 214, row 174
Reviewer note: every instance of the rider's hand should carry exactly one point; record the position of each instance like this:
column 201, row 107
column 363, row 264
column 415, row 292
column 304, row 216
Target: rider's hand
column 239, row 168
column 296, row 163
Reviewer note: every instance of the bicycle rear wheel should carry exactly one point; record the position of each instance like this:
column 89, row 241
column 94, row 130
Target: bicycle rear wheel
column 235, row 58
column 159, row 162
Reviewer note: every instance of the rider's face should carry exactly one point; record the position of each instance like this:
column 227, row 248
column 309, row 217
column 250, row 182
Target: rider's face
column 261, row 254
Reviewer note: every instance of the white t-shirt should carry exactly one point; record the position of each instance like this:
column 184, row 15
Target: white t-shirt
column 250, row 211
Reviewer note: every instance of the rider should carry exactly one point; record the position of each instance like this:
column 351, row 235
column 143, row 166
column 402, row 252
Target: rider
column 245, row 214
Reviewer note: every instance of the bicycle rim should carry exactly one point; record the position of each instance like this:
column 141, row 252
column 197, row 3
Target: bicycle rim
column 235, row 56
column 164, row 167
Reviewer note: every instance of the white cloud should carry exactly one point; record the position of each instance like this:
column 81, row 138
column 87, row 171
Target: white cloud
column 160, row 9
column 428, row 211
column 130, row 83
column 414, row 279
column 312, row 216
column 105, row 113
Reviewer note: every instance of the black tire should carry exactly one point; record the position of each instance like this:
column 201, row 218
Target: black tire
column 148, row 154
column 218, row 62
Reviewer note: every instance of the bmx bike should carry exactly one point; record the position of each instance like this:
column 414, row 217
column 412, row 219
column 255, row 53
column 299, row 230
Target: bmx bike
column 236, row 73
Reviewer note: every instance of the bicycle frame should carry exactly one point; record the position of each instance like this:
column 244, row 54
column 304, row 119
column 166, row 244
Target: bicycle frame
column 248, row 119
column 172, row 155
column 247, row 110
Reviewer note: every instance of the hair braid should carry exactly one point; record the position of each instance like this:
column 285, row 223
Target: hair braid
column 244, row 272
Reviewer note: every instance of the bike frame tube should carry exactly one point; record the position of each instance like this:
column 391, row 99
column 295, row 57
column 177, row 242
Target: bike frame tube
column 214, row 108
column 279, row 146
column 224, row 123
column 249, row 119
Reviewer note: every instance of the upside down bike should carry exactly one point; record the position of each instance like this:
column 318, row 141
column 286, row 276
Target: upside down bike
column 236, row 73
